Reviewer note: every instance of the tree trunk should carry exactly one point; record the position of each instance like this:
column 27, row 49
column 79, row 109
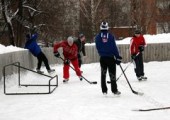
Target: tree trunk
column 19, row 25
column 8, row 22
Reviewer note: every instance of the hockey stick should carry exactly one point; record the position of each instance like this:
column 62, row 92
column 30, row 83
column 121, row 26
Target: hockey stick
column 152, row 109
column 125, row 68
column 137, row 93
column 121, row 73
column 90, row 82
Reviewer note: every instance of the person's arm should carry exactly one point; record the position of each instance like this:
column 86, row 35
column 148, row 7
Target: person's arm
column 116, row 51
column 97, row 43
column 26, row 45
column 144, row 42
column 132, row 47
column 56, row 46
column 77, row 44
column 83, row 49
column 29, row 41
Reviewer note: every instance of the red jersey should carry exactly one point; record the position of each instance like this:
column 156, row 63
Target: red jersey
column 69, row 52
column 135, row 43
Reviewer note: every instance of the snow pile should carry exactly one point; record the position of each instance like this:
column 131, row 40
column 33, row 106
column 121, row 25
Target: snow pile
column 159, row 38
column 7, row 49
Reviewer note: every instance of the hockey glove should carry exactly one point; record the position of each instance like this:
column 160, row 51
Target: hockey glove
column 141, row 48
column 133, row 56
column 57, row 54
column 66, row 61
column 118, row 60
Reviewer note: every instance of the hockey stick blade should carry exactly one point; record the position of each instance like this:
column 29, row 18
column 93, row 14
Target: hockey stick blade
column 108, row 82
column 151, row 109
column 94, row 82
column 138, row 93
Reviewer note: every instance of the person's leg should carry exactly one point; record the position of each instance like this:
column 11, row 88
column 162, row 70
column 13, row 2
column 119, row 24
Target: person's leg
column 45, row 60
column 39, row 58
column 112, row 74
column 66, row 74
column 141, row 66
column 79, row 60
column 103, row 74
column 137, row 67
column 76, row 67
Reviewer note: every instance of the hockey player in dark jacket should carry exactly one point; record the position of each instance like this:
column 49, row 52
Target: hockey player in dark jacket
column 80, row 42
column 34, row 48
column 109, row 57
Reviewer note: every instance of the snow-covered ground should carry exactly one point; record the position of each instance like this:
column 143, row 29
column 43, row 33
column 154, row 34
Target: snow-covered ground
column 79, row 100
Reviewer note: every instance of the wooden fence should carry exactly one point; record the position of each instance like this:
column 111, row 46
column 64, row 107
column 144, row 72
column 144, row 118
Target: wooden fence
column 153, row 52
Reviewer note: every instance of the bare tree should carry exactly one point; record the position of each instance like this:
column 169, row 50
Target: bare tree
column 163, row 16
column 8, row 16
column 89, row 9
column 142, row 13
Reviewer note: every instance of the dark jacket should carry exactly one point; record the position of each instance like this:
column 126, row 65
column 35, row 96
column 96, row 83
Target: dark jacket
column 80, row 46
column 32, row 45
column 105, row 44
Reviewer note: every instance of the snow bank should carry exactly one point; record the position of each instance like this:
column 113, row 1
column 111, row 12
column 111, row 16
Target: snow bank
column 7, row 49
column 159, row 38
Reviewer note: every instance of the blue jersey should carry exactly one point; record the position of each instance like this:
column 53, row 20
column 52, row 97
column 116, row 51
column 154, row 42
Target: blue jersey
column 105, row 44
column 32, row 45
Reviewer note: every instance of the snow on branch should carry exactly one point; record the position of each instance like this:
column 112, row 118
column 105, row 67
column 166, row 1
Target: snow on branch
column 29, row 7
column 84, row 10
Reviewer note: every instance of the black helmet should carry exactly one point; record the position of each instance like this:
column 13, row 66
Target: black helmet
column 137, row 31
column 28, row 36
column 81, row 35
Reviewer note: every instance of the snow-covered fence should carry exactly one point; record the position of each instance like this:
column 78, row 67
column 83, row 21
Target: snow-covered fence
column 25, row 58
column 153, row 52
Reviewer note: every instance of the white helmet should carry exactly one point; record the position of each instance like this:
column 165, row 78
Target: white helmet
column 70, row 40
column 104, row 26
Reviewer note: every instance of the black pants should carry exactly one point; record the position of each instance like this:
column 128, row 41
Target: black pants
column 139, row 67
column 79, row 60
column 42, row 58
column 108, row 63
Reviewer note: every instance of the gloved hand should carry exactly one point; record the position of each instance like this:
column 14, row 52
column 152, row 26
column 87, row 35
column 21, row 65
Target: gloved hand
column 118, row 60
column 57, row 54
column 67, row 61
column 133, row 56
column 141, row 48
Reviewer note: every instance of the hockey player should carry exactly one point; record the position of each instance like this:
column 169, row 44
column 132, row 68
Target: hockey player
column 80, row 42
column 70, row 55
column 109, row 57
column 34, row 48
column 136, row 48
